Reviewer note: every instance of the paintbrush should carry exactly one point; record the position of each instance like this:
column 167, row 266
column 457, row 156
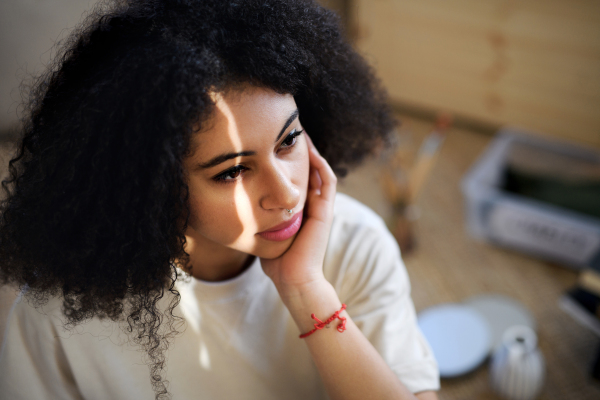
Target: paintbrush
column 402, row 189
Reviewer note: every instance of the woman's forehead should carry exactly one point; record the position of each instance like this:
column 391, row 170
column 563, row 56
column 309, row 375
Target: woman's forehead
column 250, row 105
column 242, row 116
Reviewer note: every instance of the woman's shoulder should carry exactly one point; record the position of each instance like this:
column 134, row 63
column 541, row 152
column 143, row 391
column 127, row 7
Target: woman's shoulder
column 363, row 261
column 31, row 315
column 355, row 226
column 29, row 307
column 351, row 212
column 361, row 253
column 31, row 322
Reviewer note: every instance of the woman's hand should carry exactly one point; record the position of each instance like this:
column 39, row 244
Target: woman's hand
column 300, row 268
column 351, row 368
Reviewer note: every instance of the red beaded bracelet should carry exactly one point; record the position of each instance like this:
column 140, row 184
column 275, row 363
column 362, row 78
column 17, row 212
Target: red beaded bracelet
column 322, row 324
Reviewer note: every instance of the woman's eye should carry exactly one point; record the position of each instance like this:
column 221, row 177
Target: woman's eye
column 230, row 175
column 290, row 140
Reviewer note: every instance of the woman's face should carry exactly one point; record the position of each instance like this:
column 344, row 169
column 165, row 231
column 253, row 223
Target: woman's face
column 248, row 166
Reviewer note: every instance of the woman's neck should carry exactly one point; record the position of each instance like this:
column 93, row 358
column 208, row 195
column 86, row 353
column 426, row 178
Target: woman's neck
column 213, row 263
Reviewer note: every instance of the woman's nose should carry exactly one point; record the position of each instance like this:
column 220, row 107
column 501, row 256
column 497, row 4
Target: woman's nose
column 278, row 191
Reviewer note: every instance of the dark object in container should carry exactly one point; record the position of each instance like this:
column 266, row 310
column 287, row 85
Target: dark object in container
column 580, row 196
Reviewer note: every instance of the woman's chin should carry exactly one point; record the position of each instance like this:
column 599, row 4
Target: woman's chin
column 273, row 249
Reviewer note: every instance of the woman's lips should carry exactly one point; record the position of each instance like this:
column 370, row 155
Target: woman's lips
column 284, row 231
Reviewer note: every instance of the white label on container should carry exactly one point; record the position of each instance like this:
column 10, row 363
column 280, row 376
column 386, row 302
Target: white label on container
column 542, row 233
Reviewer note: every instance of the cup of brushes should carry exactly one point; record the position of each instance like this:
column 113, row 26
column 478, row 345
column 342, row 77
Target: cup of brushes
column 402, row 184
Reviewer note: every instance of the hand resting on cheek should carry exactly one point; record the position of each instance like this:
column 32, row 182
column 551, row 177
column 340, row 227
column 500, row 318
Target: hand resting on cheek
column 302, row 264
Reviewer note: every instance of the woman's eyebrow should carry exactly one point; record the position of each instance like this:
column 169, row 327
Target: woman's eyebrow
column 224, row 157
column 287, row 123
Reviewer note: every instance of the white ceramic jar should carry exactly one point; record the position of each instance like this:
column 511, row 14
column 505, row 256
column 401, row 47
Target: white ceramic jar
column 517, row 367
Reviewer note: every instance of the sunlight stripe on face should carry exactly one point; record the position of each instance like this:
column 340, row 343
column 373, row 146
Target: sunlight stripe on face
column 243, row 202
column 243, row 206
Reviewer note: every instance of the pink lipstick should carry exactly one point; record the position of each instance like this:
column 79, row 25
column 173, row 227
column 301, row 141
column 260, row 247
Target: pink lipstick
column 283, row 231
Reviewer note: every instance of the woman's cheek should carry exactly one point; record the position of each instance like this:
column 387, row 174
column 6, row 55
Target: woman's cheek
column 304, row 168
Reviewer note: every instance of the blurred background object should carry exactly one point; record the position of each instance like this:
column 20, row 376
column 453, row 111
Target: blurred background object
column 402, row 180
column 537, row 195
column 29, row 31
column 458, row 335
column 517, row 371
column 533, row 64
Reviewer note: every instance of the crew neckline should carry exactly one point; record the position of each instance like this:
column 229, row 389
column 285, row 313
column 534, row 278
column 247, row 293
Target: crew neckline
column 228, row 289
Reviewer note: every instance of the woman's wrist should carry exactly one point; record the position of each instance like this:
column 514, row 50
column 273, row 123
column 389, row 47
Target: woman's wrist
column 296, row 294
column 318, row 297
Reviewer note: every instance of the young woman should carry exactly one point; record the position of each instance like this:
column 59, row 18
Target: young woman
column 174, row 191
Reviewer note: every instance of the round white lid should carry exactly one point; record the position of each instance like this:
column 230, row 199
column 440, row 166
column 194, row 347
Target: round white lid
column 459, row 337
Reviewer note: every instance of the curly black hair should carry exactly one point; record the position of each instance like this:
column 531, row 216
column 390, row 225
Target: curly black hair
column 96, row 192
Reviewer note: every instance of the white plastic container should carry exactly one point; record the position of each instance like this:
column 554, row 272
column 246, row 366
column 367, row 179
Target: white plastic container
column 544, row 230
column 517, row 367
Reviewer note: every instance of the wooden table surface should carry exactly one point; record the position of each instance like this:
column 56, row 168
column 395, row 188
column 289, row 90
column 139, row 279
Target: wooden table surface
column 450, row 266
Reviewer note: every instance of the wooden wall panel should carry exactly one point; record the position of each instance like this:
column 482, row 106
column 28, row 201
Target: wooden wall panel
column 534, row 64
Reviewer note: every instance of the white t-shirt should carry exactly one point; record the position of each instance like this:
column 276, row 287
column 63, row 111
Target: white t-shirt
column 239, row 342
